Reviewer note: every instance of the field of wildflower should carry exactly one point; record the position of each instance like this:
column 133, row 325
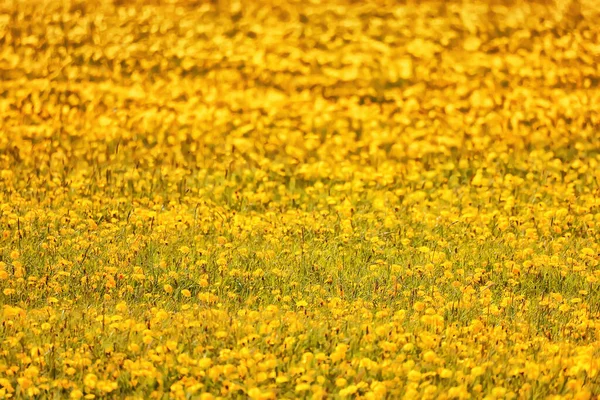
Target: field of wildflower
column 301, row 199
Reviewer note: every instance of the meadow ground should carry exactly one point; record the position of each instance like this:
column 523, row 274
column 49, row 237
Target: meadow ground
column 264, row 200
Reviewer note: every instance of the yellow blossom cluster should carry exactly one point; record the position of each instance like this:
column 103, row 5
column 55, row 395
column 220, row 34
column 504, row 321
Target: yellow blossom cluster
column 299, row 199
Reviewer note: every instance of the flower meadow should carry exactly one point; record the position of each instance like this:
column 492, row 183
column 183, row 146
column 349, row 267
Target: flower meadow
column 302, row 199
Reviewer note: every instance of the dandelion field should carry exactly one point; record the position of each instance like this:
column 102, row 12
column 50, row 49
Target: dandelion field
column 312, row 199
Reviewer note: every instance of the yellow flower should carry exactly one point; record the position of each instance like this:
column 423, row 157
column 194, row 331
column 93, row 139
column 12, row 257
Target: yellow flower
column 446, row 373
column 254, row 393
column 184, row 250
column 171, row 345
column 90, row 380
column 341, row 382
column 162, row 315
column 348, row 391
column 414, row 376
column 121, row 307
column 11, row 312
column 302, row 387
column 429, row 356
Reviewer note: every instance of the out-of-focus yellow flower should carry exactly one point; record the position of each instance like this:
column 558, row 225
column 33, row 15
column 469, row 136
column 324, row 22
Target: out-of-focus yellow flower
column 90, row 380
column 121, row 307
column 184, row 250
